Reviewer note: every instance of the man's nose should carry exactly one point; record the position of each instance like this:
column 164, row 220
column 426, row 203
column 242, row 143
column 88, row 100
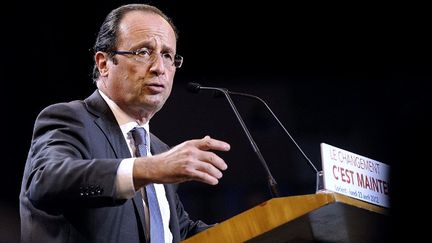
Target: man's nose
column 157, row 64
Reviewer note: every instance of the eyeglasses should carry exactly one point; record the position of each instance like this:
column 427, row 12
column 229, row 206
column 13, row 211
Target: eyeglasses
column 149, row 56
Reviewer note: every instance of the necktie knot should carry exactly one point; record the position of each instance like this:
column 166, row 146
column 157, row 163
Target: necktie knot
column 139, row 135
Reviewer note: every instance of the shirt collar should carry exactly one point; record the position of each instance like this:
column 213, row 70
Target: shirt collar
column 125, row 121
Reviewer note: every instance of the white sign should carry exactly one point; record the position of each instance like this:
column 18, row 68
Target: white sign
column 355, row 175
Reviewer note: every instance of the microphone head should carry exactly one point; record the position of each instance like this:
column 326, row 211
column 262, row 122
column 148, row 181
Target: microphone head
column 193, row 87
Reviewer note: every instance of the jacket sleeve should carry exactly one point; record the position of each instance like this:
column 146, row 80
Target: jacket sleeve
column 62, row 169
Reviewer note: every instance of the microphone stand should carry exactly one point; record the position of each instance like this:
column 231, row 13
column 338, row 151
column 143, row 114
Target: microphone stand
column 319, row 186
column 271, row 181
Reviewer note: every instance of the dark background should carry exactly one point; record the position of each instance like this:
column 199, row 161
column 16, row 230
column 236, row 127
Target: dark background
column 355, row 76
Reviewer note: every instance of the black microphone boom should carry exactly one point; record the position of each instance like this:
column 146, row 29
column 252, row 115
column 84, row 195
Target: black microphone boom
column 195, row 88
column 280, row 124
column 319, row 183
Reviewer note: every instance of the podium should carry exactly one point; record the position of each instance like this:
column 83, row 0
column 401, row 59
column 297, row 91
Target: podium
column 323, row 217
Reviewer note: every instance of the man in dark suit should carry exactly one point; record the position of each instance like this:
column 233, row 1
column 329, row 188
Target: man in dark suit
column 82, row 181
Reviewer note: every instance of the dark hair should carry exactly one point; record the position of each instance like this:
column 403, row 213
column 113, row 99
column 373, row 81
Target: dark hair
column 107, row 37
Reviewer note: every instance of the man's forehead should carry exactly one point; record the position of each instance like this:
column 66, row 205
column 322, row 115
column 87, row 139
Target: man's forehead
column 146, row 26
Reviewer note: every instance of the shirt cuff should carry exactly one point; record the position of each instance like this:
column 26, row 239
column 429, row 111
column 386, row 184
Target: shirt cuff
column 124, row 180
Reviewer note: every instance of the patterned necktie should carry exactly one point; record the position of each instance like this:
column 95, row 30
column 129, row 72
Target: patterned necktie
column 156, row 225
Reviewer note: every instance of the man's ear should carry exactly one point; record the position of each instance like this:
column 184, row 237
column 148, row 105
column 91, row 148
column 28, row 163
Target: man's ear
column 101, row 60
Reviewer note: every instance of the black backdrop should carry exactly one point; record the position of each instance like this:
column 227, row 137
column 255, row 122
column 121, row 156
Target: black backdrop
column 354, row 76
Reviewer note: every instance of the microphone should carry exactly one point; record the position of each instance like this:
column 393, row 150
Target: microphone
column 319, row 174
column 195, row 88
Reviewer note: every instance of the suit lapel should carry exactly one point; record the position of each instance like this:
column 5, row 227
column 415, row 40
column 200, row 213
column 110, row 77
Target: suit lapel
column 106, row 121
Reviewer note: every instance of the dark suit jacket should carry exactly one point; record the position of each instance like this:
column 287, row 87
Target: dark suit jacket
column 68, row 188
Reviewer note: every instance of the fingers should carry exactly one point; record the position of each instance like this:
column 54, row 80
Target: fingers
column 191, row 160
column 211, row 164
column 208, row 143
column 208, row 165
column 204, row 165
column 211, row 158
column 199, row 148
column 206, row 178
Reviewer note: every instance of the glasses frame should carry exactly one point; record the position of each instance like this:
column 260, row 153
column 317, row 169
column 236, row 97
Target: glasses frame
column 177, row 62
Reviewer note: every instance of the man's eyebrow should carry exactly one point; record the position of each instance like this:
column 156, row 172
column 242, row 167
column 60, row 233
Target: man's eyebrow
column 167, row 49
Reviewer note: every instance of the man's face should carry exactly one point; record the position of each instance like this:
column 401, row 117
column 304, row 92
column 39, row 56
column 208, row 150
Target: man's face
column 140, row 84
